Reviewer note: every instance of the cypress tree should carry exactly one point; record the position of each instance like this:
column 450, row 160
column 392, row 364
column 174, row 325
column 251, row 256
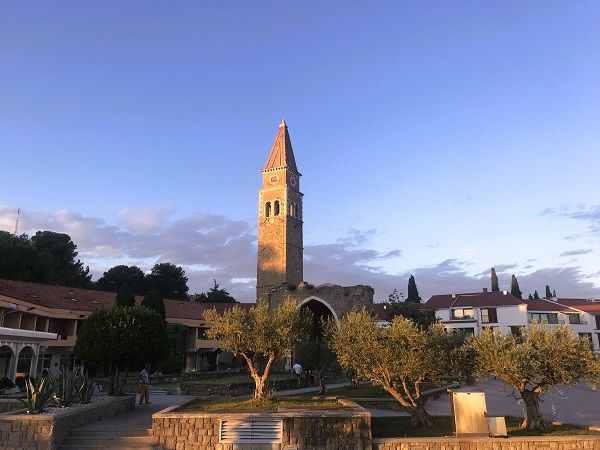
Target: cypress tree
column 495, row 286
column 413, row 292
column 514, row 288
column 125, row 297
column 153, row 300
column 548, row 292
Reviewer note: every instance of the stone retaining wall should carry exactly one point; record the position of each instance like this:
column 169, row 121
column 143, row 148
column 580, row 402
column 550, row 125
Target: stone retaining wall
column 512, row 443
column 347, row 427
column 48, row 431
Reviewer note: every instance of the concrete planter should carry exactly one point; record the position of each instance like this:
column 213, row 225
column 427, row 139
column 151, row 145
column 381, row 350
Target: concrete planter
column 302, row 428
column 19, row 430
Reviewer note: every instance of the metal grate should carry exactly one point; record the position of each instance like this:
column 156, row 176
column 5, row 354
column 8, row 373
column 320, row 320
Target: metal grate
column 250, row 431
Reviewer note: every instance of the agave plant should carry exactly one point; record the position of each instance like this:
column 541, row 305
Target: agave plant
column 68, row 388
column 39, row 394
column 87, row 388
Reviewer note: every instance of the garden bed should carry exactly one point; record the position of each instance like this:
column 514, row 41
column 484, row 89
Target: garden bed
column 19, row 430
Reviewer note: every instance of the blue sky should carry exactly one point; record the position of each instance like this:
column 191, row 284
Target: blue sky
column 437, row 139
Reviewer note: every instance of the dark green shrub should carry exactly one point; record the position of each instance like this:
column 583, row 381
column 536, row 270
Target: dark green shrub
column 21, row 382
column 6, row 383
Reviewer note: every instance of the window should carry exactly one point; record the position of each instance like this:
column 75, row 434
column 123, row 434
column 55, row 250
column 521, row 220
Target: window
column 574, row 318
column 276, row 208
column 202, row 333
column 462, row 313
column 551, row 318
column 516, row 330
column 268, row 209
column 597, row 322
column 488, row 315
column 588, row 336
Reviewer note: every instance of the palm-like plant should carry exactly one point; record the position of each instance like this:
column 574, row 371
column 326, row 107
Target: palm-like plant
column 87, row 388
column 39, row 394
column 68, row 388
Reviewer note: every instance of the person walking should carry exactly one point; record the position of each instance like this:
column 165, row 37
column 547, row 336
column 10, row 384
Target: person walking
column 144, row 382
column 297, row 368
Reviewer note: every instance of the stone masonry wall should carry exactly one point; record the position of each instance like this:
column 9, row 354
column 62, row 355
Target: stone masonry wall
column 341, row 299
column 512, row 443
column 347, row 428
column 48, row 431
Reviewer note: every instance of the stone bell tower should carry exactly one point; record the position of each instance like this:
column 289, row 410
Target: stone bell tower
column 280, row 248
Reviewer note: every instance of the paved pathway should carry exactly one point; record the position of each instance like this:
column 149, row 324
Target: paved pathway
column 578, row 405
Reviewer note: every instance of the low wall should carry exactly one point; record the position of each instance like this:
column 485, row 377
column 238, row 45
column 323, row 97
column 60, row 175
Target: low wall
column 10, row 404
column 512, row 443
column 346, row 427
column 48, row 431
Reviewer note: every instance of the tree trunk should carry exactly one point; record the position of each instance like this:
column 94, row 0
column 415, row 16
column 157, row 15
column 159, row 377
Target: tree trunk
column 322, row 385
column 419, row 417
column 534, row 420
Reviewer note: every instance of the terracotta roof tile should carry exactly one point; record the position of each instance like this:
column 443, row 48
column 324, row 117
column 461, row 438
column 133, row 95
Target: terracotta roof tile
column 85, row 300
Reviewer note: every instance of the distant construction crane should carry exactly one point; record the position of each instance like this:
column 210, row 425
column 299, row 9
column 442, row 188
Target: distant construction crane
column 17, row 222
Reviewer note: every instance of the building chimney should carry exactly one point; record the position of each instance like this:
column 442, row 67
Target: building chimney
column 484, row 289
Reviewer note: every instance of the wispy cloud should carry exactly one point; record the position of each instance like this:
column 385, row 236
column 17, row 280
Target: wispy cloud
column 577, row 252
column 590, row 214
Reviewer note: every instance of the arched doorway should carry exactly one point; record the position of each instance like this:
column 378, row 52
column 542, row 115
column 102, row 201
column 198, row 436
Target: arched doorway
column 24, row 362
column 313, row 354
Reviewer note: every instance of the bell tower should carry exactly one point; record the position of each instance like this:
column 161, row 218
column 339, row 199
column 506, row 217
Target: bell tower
column 280, row 248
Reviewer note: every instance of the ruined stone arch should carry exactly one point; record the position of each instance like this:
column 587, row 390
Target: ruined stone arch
column 306, row 301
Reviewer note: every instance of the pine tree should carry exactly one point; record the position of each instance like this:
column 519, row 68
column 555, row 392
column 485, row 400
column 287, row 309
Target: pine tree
column 495, row 286
column 514, row 288
column 536, row 296
column 413, row 292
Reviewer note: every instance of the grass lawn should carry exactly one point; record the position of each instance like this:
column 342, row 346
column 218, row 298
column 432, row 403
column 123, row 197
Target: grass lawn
column 242, row 405
column 386, row 427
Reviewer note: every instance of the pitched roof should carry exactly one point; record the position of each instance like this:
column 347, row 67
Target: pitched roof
column 479, row 299
column 86, row 300
column 282, row 155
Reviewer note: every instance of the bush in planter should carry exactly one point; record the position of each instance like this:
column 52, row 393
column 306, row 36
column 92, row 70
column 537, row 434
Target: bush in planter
column 6, row 383
column 20, row 382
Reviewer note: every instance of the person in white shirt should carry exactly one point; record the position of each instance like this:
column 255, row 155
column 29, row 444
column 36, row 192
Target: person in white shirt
column 297, row 369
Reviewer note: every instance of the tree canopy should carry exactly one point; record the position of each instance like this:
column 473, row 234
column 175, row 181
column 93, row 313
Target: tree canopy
column 125, row 297
column 259, row 331
column 122, row 337
column 154, row 302
column 540, row 358
column 113, row 279
column 215, row 295
column 169, row 280
column 398, row 358
column 47, row 257
column 422, row 317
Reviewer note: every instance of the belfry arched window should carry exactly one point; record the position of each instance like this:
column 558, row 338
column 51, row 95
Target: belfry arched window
column 292, row 209
column 268, row 209
column 276, row 208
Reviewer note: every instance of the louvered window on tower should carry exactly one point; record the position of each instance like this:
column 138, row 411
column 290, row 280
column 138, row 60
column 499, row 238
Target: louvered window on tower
column 276, row 208
column 268, row 209
column 250, row 431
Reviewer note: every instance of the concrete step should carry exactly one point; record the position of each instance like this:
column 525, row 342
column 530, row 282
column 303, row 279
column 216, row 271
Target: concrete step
column 123, row 440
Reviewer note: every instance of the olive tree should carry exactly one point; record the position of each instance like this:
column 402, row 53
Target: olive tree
column 538, row 359
column 122, row 336
column 399, row 358
column 259, row 331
